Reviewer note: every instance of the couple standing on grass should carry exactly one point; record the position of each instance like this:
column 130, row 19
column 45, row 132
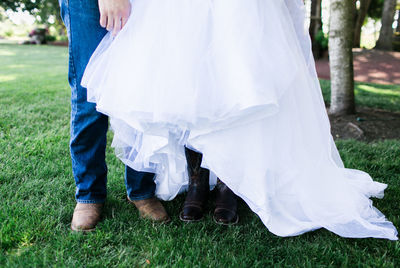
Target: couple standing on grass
column 209, row 92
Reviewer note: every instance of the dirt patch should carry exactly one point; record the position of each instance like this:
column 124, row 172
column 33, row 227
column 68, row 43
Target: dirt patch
column 366, row 125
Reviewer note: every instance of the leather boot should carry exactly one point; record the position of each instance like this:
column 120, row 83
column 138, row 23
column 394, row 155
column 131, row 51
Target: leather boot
column 151, row 209
column 86, row 217
column 225, row 212
column 193, row 207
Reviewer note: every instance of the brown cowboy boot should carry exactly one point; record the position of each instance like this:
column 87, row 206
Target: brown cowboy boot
column 198, row 188
column 225, row 212
column 151, row 209
column 86, row 216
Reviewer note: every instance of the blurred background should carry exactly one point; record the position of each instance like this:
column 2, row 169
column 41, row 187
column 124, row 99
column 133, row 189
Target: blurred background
column 19, row 18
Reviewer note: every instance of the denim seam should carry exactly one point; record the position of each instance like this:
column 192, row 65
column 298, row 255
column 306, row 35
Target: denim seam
column 71, row 47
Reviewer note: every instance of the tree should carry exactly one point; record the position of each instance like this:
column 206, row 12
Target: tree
column 398, row 23
column 341, row 57
column 361, row 14
column 41, row 8
column 385, row 41
column 316, row 27
column 375, row 9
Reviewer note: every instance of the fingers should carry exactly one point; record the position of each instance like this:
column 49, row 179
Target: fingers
column 125, row 16
column 113, row 23
column 103, row 19
column 114, row 14
column 107, row 20
column 110, row 23
column 117, row 26
column 120, row 21
column 123, row 22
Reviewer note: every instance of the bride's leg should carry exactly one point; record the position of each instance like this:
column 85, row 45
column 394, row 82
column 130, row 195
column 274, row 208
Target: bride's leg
column 225, row 205
column 196, row 197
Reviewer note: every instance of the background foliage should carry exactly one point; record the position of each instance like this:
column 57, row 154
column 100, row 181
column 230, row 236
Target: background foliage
column 43, row 9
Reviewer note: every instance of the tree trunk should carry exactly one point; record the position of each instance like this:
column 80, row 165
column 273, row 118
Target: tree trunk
column 361, row 15
column 385, row 41
column 341, row 57
column 315, row 26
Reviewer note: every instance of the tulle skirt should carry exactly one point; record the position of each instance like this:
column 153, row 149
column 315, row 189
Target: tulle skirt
column 234, row 80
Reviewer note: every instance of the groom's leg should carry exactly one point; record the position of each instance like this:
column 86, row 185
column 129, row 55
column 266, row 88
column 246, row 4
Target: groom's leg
column 139, row 185
column 88, row 127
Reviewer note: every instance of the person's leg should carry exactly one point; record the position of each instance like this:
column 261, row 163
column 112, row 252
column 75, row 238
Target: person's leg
column 199, row 186
column 88, row 127
column 140, row 188
column 139, row 185
column 193, row 208
column 225, row 212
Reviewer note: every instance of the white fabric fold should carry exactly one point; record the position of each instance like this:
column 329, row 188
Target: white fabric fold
column 236, row 81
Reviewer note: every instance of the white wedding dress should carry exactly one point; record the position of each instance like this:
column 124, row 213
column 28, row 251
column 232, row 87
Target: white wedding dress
column 234, row 80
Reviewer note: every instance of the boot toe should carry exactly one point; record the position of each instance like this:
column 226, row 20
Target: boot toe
column 86, row 217
column 151, row 209
column 191, row 213
column 225, row 217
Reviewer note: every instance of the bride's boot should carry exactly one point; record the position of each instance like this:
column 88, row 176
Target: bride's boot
column 197, row 195
column 225, row 205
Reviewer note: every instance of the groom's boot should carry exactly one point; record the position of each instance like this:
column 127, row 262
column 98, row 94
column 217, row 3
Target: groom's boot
column 151, row 209
column 86, row 216
column 193, row 208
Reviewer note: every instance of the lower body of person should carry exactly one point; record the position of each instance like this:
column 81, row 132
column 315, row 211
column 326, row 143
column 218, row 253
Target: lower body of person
column 89, row 129
column 235, row 81
column 225, row 212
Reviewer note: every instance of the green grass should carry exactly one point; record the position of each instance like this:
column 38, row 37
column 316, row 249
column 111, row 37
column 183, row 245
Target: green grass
column 386, row 97
column 37, row 194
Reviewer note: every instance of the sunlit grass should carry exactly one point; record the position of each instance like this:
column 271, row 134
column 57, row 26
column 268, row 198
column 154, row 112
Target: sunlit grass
column 390, row 92
column 6, row 78
column 385, row 97
column 6, row 53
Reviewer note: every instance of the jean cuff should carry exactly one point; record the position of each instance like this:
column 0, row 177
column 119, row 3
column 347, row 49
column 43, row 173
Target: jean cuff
column 90, row 201
column 141, row 197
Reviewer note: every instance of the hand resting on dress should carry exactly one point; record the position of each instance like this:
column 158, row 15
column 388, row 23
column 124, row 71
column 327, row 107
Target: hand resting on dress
column 114, row 14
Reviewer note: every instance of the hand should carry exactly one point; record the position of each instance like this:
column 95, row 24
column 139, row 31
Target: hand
column 114, row 14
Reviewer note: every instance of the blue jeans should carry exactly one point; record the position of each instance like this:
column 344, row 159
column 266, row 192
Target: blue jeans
column 89, row 127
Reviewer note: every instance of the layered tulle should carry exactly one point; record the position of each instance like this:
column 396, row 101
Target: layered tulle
column 235, row 80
